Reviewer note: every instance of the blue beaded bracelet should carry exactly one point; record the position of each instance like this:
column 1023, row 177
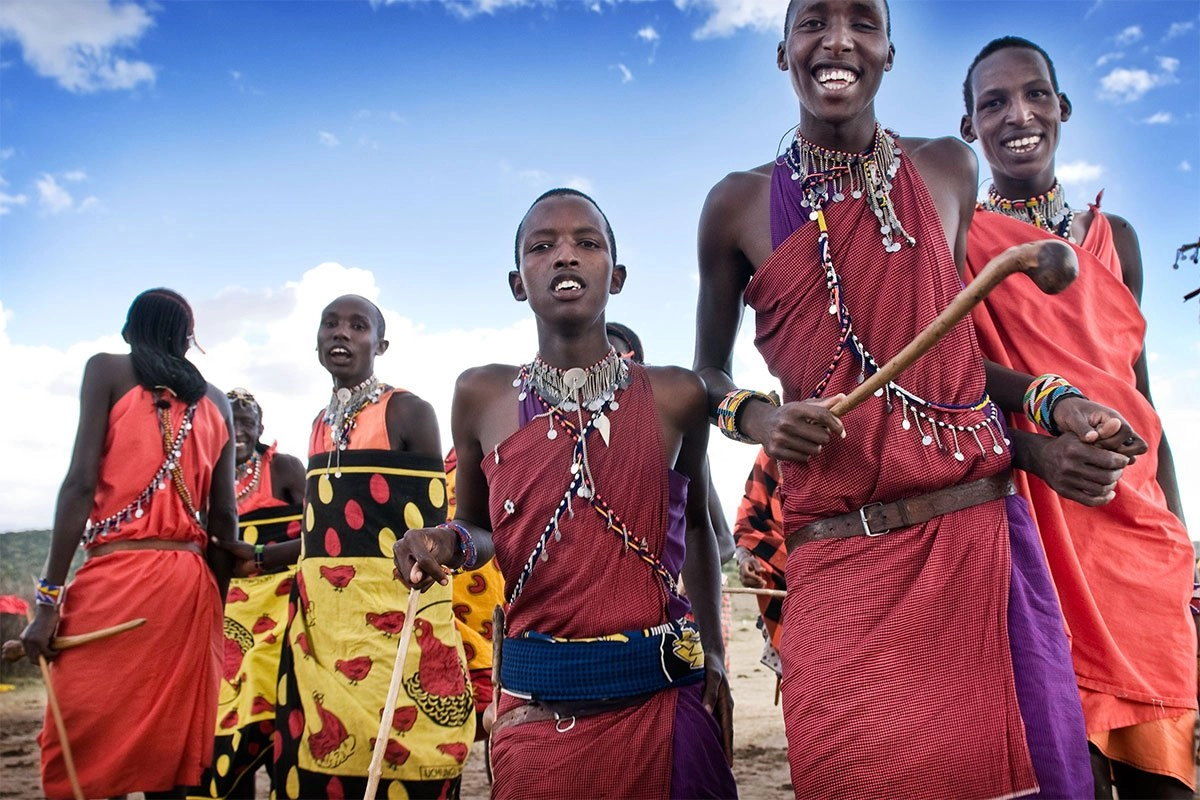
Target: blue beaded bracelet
column 466, row 545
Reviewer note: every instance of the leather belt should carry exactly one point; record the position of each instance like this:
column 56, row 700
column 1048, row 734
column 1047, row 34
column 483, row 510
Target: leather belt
column 564, row 714
column 876, row 519
column 142, row 544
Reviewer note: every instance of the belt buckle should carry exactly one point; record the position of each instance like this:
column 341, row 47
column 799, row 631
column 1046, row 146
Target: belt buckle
column 866, row 526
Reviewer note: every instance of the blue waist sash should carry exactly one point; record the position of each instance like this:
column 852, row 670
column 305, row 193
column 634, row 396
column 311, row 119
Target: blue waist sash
column 541, row 667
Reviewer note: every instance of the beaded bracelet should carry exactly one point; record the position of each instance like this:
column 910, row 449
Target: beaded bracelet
column 259, row 551
column 1043, row 394
column 47, row 594
column 727, row 412
column 466, row 545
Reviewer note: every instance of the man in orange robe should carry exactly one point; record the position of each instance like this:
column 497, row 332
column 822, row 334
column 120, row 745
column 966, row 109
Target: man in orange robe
column 1123, row 568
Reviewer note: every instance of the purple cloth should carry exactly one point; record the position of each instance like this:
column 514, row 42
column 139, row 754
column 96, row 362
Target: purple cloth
column 1042, row 669
column 698, row 768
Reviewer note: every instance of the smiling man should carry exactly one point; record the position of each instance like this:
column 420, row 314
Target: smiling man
column 922, row 646
column 1123, row 568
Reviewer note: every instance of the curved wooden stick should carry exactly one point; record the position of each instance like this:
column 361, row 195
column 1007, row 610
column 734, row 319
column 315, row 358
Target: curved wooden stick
column 13, row 650
column 389, row 707
column 1049, row 263
column 61, row 725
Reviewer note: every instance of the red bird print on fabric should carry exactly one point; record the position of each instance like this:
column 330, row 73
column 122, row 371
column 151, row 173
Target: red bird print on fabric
column 439, row 686
column 339, row 577
column 390, row 622
column 284, row 588
column 332, row 744
column 395, row 753
column 236, row 594
column 456, row 750
column 263, row 624
column 403, row 718
column 355, row 669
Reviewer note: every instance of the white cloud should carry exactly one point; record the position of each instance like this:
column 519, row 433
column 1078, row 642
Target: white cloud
column 626, row 75
column 467, row 8
column 1078, row 172
column 261, row 339
column 328, row 139
column 1130, row 35
column 6, row 153
column 726, row 17
column 1185, row 166
column 580, row 183
column 76, row 42
column 89, row 202
column 1107, row 57
column 1180, row 28
column 7, row 201
column 75, row 176
column 53, row 197
column 1158, row 118
column 1127, row 85
column 648, row 34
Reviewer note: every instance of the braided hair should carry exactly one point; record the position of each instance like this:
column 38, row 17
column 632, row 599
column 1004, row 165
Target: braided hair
column 159, row 330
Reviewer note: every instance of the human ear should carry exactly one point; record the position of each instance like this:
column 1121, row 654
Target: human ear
column 891, row 59
column 781, row 57
column 517, row 286
column 382, row 347
column 617, row 282
column 966, row 129
column 1064, row 107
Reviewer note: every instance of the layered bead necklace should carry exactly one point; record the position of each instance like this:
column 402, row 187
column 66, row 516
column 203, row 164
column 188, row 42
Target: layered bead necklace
column 170, row 469
column 249, row 474
column 1048, row 211
column 560, row 392
column 826, row 176
column 340, row 416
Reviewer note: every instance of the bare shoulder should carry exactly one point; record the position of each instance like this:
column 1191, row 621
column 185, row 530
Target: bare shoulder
column 407, row 406
column 946, row 161
column 219, row 400
column 483, row 382
column 737, row 188
column 679, row 389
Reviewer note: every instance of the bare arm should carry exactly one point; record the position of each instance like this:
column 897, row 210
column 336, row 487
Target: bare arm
column 76, row 495
column 797, row 431
column 701, row 564
column 422, row 554
column 222, row 500
column 412, row 425
column 287, row 479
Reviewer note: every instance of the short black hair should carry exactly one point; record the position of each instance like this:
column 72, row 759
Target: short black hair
column 1003, row 43
column 624, row 332
column 379, row 322
column 791, row 12
column 565, row 192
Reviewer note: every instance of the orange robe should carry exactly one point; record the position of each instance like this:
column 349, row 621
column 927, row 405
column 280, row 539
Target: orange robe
column 1124, row 570
column 140, row 707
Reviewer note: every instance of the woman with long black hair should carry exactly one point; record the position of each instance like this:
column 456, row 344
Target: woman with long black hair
column 151, row 479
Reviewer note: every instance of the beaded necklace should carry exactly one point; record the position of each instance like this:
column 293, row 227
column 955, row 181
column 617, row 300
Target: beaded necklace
column 344, row 408
column 172, row 451
column 826, row 173
column 581, row 483
column 600, row 382
column 1048, row 211
column 249, row 474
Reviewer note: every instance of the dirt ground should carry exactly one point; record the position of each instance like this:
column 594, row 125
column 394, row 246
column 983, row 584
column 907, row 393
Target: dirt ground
column 760, row 761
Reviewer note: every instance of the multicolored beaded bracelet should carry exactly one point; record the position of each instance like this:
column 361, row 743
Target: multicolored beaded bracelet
column 727, row 412
column 1043, row 394
column 259, row 551
column 466, row 545
column 48, row 594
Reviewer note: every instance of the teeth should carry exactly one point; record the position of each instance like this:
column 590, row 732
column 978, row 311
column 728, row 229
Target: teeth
column 1024, row 144
column 339, row 351
column 568, row 283
column 836, row 75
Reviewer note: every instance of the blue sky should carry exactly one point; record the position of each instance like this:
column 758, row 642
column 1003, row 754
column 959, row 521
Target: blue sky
column 263, row 157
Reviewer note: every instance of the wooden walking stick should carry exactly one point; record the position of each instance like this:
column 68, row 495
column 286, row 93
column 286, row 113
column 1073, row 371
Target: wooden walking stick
column 59, row 724
column 1049, row 263
column 389, row 707
column 13, row 650
column 759, row 592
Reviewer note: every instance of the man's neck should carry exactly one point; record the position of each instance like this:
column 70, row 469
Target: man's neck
column 567, row 350
column 1013, row 188
column 848, row 136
